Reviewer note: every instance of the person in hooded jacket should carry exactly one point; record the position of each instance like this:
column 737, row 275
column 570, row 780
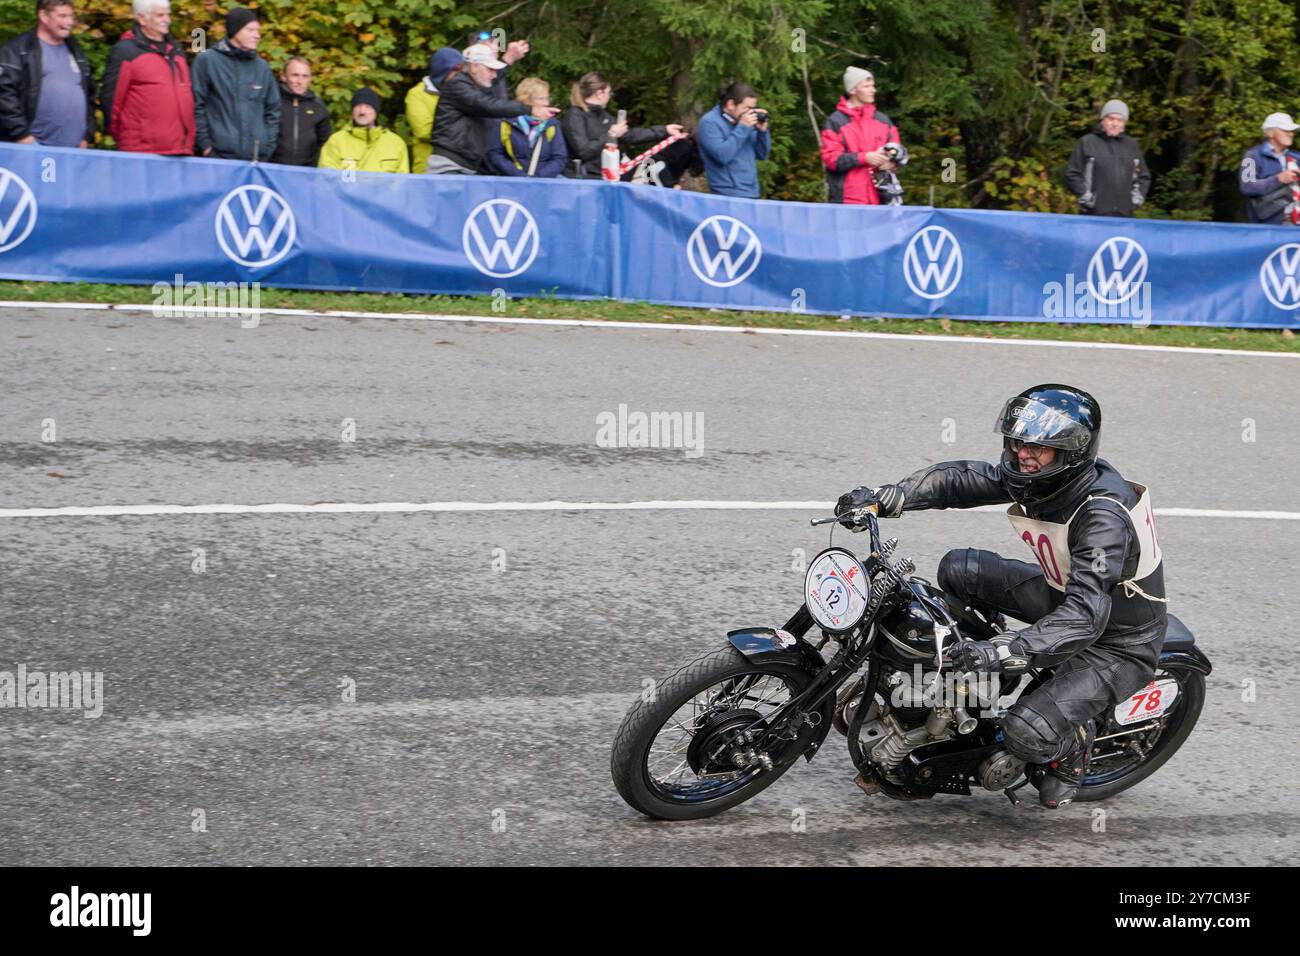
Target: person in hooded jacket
column 236, row 98
column 527, row 145
column 1107, row 170
column 422, row 105
column 588, row 126
column 304, row 118
column 852, row 142
column 1093, row 597
column 147, row 99
column 365, row 145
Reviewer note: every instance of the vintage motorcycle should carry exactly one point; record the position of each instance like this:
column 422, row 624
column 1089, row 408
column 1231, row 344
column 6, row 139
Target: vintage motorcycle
column 728, row 724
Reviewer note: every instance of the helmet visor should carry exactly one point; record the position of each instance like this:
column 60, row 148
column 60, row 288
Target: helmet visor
column 1029, row 420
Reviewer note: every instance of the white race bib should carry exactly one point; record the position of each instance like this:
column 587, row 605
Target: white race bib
column 1050, row 542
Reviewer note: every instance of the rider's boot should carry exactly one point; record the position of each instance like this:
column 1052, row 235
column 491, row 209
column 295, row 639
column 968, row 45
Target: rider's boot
column 1061, row 778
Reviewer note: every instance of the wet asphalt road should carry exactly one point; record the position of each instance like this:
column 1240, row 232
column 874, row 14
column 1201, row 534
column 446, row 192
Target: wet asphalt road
column 486, row 697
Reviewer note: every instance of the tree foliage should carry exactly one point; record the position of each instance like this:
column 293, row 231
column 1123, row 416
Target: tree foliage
column 989, row 95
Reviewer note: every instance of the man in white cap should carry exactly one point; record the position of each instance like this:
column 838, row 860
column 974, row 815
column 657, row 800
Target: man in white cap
column 859, row 143
column 1107, row 170
column 460, row 137
column 1270, row 174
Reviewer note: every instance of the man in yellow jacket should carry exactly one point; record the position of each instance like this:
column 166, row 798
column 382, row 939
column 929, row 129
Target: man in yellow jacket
column 422, row 103
column 365, row 145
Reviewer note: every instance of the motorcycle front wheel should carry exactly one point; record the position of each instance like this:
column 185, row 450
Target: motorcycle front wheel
column 679, row 753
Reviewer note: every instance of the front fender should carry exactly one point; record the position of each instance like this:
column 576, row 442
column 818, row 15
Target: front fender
column 768, row 645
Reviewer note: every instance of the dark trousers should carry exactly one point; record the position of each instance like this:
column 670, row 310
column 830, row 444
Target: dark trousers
column 1041, row 726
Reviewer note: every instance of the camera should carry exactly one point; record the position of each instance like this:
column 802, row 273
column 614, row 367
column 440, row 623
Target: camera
column 760, row 115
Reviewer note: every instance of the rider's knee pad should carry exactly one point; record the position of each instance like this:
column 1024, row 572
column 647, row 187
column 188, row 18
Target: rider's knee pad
column 1037, row 732
column 959, row 572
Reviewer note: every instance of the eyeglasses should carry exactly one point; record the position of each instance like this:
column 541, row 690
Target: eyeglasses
column 1036, row 450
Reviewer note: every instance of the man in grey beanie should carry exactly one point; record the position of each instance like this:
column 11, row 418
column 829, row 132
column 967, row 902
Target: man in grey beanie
column 1107, row 170
column 860, row 145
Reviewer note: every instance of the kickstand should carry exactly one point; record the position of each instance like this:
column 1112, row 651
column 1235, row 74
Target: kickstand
column 1010, row 792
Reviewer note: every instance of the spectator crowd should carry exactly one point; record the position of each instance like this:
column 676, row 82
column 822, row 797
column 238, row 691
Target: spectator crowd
column 463, row 120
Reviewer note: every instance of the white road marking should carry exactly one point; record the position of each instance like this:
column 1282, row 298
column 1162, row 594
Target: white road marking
column 663, row 326
column 409, row 507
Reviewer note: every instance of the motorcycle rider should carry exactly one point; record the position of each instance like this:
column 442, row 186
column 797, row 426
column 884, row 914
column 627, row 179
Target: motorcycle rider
column 1095, row 599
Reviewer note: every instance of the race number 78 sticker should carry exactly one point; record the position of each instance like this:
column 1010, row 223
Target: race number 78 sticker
column 1150, row 702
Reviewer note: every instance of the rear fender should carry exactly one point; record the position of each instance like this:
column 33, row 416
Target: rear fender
column 1191, row 658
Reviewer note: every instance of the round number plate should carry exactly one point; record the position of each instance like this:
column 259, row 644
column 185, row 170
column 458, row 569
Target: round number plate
column 836, row 589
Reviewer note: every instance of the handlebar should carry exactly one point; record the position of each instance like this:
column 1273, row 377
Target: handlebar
column 857, row 515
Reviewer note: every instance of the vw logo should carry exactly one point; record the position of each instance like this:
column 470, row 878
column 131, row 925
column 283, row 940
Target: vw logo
column 721, row 244
column 487, row 238
column 1116, row 270
column 255, row 216
column 932, row 262
column 1280, row 276
column 17, row 210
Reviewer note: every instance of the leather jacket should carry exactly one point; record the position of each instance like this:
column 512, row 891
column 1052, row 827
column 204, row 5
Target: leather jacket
column 1094, row 608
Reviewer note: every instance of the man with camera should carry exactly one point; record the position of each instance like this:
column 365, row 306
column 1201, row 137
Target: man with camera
column 733, row 136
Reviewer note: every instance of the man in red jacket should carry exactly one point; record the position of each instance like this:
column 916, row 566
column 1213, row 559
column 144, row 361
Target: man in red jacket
column 147, row 99
column 852, row 141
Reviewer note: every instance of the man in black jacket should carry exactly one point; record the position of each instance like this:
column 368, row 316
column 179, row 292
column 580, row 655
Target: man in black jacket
column 46, row 87
column 304, row 118
column 1095, row 598
column 460, row 136
column 1106, row 170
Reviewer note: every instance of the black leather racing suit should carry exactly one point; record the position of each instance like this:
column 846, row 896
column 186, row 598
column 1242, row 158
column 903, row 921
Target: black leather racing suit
column 1101, row 643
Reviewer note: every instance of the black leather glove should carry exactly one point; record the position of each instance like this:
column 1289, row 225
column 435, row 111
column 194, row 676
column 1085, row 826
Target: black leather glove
column 888, row 500
column 1002, row 655
column 852, row 501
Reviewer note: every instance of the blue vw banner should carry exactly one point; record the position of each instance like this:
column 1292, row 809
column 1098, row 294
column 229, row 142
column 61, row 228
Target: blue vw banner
column 96, row 216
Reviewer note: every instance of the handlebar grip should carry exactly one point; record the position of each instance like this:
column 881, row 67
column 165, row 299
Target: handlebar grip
column 873, row 508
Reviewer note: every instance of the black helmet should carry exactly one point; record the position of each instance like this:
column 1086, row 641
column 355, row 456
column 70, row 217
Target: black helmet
column 1059, row 416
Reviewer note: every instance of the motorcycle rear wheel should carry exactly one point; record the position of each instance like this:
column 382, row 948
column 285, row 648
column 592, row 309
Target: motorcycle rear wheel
column 710, row 698
column 1102, row 782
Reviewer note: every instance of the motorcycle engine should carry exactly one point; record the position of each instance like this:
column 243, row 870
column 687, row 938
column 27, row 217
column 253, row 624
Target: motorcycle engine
column 892, row 730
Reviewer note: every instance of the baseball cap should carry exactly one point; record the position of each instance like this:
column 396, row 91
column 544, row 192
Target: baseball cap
column 1279, row 121
column 481, row 54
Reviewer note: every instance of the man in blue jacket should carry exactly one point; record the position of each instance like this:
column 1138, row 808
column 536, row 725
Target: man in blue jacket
column 1265, row 180
column 733, row 136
